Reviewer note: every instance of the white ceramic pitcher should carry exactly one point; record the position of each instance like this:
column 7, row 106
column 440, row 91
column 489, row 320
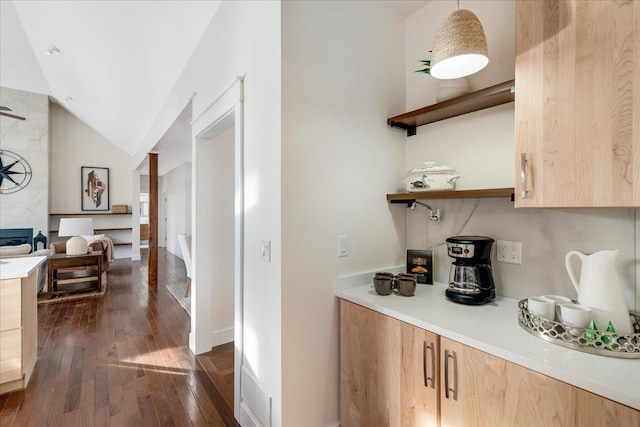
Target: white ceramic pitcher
column 599, row 288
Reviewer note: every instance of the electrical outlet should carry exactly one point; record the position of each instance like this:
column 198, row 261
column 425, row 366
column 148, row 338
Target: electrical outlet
column 510, row 252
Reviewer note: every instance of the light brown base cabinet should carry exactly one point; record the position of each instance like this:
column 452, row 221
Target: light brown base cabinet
column 388, row 371
column 18, row 331
column 395, row 374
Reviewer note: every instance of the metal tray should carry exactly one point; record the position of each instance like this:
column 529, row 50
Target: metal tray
column 589, row 341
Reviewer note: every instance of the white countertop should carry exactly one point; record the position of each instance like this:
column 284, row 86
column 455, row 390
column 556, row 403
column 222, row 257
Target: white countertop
column 15, row 268
column 494, row 329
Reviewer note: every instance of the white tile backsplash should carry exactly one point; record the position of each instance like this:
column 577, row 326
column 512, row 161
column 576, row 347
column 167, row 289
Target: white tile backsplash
column 546, row 235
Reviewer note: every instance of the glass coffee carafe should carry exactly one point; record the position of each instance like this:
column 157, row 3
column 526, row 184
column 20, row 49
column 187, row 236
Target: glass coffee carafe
column 464, row 279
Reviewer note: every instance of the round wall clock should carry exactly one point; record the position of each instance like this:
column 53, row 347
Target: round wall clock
column 15, row 172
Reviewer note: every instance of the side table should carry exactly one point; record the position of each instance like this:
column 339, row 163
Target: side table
column 80, row 273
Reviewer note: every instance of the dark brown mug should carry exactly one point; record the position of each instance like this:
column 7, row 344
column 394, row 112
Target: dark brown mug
column 406, row 286
column 383, row 285
column 384, row 274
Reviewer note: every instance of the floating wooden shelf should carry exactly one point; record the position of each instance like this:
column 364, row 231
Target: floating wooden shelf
column 485, row 98
column 98, row 230
column 409, row 198
column 87, row 214
column 122, row 244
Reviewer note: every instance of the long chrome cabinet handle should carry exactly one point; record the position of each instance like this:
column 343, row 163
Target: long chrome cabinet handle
column 523, row 175
column 447, row 389
column 425, row 364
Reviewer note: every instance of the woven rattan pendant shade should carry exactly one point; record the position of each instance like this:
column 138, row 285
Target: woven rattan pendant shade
column 460, row 47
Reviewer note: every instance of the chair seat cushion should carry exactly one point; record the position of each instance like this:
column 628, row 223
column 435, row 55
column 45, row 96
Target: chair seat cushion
column 15, row 250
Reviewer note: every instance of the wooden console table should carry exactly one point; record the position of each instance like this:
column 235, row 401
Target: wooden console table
column 83, row 270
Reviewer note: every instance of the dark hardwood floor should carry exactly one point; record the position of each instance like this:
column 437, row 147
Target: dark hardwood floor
column 121, row 359
column 218, row 364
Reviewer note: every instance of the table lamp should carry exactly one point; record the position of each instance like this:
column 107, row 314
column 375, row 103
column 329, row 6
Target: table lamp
column 76, row 227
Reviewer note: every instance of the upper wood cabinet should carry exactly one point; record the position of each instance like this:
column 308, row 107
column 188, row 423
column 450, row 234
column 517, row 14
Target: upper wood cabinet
column 577, row 103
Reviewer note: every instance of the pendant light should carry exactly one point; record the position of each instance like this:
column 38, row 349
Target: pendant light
column 460, row 46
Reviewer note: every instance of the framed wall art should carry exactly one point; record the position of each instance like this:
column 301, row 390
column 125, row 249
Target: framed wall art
column 95, row 188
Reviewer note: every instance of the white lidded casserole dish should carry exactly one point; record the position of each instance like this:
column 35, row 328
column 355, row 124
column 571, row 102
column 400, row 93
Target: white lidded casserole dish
column 431, row 178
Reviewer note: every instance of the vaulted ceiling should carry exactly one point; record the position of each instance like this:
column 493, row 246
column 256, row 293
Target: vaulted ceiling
column 113, row 63
column 117, row 60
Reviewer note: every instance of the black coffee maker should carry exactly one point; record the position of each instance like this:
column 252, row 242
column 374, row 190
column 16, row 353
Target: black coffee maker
column 470, row 278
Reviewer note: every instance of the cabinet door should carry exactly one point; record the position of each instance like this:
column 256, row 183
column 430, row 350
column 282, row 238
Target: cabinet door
column 596, row 411
column 382, row 373
column 369, row 367
column 10, row 355
column 10, row 303
column 486, row 390
column 473, row 386
column 420, row 377
column 578, row 103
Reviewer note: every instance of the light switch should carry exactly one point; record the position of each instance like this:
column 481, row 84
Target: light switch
column 343, row 246
column 265, row 250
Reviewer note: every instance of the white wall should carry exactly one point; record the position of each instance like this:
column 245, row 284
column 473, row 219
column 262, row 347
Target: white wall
column 73, row 145
column 144, row 183
column 27, row 208
column 343, row 76
column 244, row 37
column 176, row 184
column 480, row 145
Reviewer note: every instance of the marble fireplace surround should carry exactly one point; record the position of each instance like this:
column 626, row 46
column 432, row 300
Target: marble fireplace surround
column 546, row 235
column 28, row 207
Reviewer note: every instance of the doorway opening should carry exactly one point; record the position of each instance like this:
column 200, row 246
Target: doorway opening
column 218, row 230
column 144, row 220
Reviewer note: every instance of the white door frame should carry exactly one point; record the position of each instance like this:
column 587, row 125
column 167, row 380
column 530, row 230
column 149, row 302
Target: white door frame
column 225, row 111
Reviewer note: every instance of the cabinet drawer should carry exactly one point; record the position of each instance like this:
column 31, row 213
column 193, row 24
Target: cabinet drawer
column 10, row 303
column 10, row 355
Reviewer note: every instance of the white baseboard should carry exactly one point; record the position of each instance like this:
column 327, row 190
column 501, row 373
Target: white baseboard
column 217, row 338
column 222, row 337
column 246, row 419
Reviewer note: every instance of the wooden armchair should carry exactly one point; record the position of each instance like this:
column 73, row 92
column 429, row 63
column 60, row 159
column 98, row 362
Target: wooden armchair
column 61, row 248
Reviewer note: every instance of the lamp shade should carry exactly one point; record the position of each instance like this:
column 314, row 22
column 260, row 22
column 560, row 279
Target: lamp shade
column 460, row 47
column 76, row 227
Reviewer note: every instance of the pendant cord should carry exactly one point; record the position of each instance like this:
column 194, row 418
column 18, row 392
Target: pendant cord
column 458, row 4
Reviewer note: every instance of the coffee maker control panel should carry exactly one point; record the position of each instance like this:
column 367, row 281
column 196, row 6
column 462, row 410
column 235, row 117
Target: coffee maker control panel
column 460, row 250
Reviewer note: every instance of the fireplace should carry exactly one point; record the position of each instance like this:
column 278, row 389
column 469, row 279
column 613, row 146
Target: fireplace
column 16, row 236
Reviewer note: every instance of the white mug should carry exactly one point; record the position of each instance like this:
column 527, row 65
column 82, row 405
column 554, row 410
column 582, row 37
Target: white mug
column 542, row 307
column 558, row 300
column 576, row 315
